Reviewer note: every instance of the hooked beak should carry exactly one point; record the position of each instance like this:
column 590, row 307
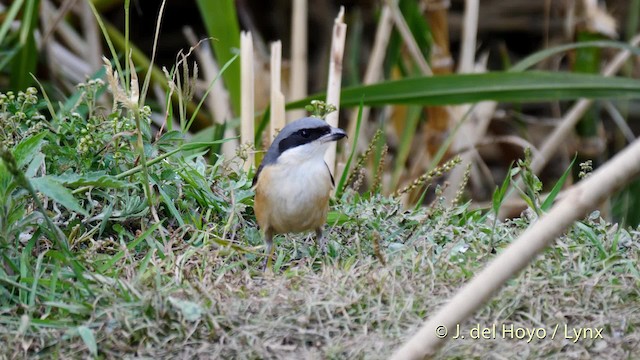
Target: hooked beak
column 335, row 135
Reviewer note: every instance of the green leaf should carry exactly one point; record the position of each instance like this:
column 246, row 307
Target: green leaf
column 72, row 308
column 53, row 189
column 498, row 195
column 548, row 201
column 593, row 237
column 168, row 202
column 89, row 339
column 203, row 144
column 527, row 86
column 94, row 178
column 28, row 148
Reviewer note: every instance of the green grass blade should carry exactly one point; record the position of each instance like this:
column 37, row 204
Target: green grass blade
column 8, row 19
column 453, row 89
column 591, row 235
column 404, row 145
column 25, row 61
column 354, row 146
column 548, row 201
column 537, row 57
column 112, row 49
column 169, row 203
column 262, row 125
column 498, row 195
column 89, row 339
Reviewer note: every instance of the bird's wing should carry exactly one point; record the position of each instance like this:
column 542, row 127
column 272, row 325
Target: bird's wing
column 333, row 183
column 255, row 177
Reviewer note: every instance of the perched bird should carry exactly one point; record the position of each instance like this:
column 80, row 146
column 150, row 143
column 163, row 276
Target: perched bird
column 293, row 183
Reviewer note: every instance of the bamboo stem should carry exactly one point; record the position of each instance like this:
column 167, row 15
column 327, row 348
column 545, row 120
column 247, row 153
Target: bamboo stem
column 298, row 76
column 247, row 125
column 335, row 80
column 580, row 199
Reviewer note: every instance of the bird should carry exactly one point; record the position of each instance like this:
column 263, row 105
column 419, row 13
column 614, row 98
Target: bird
column 293, row 182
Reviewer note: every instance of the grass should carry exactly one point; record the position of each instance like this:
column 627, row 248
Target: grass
column 190, row 285
column 205, row 300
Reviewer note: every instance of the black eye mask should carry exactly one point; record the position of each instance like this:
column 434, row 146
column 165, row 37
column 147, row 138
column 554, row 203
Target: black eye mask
column 301, row 137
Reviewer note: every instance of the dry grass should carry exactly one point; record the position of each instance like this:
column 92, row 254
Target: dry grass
column 203, row 301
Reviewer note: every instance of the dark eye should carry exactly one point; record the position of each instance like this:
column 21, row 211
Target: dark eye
column 304, row 133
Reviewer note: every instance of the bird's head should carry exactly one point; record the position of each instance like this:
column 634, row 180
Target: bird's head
column 300, row 141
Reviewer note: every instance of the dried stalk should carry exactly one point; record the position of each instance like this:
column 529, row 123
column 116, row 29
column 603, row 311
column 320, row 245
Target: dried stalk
column 220, row 104
column 579, row 200
column 469, row 35
column 408, row 38
column 298, row 78
column 247, row 110
column 335, row 80
column 276, row 118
